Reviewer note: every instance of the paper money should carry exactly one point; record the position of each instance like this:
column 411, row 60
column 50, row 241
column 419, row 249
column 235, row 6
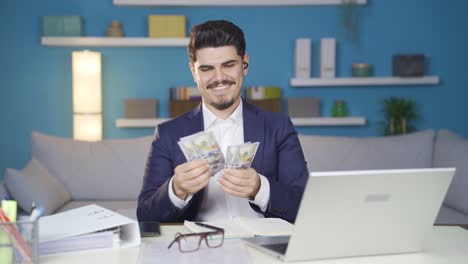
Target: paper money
column 245, row 155
column 231, row 156
column 207, row 148
column 203, row 145
column 241, row 156
column 188, row 149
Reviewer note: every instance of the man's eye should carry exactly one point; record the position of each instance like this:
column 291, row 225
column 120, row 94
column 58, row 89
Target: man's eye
column 205, row 69
column 230, row 65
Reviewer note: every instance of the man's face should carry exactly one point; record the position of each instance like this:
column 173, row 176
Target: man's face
column 218, row 73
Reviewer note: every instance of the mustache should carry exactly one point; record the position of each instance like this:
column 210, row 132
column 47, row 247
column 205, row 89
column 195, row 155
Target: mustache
column 218, row 83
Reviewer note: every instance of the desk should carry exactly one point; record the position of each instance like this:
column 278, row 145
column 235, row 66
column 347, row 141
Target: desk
column 446, row 245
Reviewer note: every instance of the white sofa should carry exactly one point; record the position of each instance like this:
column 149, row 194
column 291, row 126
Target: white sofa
column 65, row 174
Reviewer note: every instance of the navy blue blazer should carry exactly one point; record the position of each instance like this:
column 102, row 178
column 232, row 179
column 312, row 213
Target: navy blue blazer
column 279, row 158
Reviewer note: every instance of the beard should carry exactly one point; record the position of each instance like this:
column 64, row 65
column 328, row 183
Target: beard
column 225, row 102
column 223, row 105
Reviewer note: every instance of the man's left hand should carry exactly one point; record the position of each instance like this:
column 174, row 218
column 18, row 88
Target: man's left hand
column 239, row 182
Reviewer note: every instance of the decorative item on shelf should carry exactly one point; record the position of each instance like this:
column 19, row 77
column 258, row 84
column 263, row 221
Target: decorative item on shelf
column 185, row 93
column 183, row 99
column 265, row 97
column 361, row 69
column 399, row 114
column 349, row 19
column 141, row 108
column 115, row 29
column 409, row 65
column 166, row 26
column 339, row 109
column 263, row 92
column 327, row 58
column 302, row 58
column 303, row 106
column 87, row 95
column 178, row 107
column 66, row 26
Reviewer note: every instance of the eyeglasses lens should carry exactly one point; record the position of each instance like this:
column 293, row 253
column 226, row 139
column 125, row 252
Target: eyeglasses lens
column 189, row 243
column 214, row 240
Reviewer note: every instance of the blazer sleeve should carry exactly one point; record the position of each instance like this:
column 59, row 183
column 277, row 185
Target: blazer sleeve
column 287, row 188
column 154, row 203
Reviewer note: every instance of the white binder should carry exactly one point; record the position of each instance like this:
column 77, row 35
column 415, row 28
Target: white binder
column 68, row 231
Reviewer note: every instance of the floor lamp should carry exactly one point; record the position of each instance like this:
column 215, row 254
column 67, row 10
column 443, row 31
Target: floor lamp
column 87, row 95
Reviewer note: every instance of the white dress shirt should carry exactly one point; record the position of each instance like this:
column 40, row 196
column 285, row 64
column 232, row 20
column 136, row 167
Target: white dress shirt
column 218, row 205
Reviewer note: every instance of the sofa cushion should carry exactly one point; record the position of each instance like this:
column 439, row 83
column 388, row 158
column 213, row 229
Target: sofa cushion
column 35, row 184
column 105, row 170
column 451, row 150
column 325, row 153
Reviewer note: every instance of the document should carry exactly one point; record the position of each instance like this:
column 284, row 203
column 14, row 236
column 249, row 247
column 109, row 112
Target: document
column 84, row 228
column 247, row 227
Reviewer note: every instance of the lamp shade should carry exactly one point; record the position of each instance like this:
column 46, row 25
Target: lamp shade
column 87, row 127
column 87, row 95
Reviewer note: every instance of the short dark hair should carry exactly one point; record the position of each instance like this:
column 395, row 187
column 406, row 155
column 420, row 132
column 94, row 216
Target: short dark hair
column 215, row 33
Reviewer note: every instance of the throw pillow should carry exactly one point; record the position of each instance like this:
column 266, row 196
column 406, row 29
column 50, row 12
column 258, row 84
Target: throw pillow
column 103, row 170
column 451, row 150
column 35, row 184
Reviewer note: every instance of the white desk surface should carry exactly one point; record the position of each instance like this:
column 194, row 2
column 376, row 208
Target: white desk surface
column 447, row 245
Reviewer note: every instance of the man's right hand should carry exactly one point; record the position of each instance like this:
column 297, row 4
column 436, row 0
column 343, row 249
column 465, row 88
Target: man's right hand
column 190, row 177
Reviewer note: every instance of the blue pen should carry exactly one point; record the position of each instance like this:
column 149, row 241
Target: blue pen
column 36, row 213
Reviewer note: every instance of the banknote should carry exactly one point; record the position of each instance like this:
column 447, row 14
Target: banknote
column 246, row 155
column 231, row 154
column 241, row 156
column 189, row 150
column 203, row 145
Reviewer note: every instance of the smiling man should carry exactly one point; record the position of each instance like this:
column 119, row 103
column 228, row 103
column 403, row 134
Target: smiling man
column 175, row 190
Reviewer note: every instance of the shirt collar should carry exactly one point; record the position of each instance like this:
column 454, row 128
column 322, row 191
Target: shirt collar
column 209, row 118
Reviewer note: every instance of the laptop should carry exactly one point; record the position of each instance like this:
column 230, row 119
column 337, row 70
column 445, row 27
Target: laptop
column 362, row 213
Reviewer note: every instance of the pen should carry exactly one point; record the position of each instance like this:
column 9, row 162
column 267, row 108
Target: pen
column 36, row 213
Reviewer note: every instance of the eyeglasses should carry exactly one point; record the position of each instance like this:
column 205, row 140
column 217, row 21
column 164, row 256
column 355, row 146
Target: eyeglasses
column 192, row 242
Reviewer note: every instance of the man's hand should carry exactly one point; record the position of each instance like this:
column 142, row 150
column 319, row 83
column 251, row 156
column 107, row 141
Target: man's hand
column 190, row 177
column 238, row 182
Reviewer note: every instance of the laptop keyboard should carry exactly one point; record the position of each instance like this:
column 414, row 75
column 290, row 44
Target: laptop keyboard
column 280, row 248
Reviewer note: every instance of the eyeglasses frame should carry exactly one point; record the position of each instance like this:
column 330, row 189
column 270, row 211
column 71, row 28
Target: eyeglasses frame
column 202, row 235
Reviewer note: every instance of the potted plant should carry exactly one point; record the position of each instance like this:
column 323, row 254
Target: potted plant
column 399, row 115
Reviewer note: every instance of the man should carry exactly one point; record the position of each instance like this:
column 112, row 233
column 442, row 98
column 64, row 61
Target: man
column 175, row 190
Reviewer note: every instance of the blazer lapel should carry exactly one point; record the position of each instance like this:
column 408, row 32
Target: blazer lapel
column 194, row 121
column 254, row 130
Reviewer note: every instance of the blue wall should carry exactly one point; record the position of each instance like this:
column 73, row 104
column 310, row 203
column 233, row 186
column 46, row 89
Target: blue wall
column 35, row 80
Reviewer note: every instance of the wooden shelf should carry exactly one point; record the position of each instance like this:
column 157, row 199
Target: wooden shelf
column 328, row 121
column 139, row 122
column 230, row 2
column 297, row 121
column 114, row 42
column 365, row 81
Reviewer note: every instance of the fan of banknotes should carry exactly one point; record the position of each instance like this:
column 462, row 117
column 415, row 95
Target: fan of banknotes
column 203, row 145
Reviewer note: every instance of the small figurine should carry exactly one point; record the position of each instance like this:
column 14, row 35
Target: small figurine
column 115, row 29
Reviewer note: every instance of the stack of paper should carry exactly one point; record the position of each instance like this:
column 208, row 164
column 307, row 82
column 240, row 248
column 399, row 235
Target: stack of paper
column 98, row 240
column 247, row 227
column 84, row 228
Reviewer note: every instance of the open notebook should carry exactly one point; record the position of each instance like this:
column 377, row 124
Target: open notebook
column 247, row 227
